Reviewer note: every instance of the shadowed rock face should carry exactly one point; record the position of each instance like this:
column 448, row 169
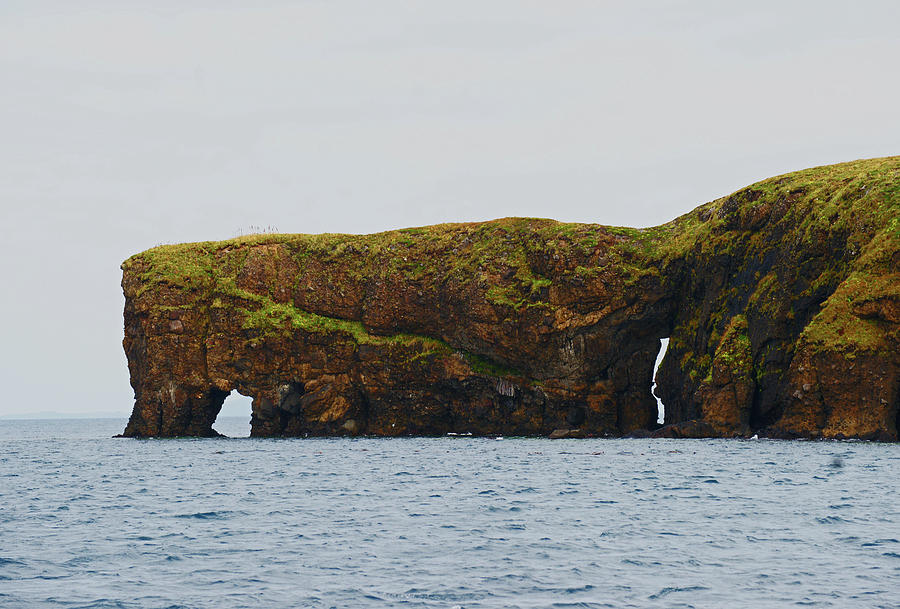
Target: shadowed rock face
column 782, row 302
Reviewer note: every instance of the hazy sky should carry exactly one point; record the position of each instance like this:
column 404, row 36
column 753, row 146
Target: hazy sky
column 127, row 124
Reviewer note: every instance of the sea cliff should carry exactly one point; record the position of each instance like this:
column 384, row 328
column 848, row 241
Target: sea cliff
column 781, row 302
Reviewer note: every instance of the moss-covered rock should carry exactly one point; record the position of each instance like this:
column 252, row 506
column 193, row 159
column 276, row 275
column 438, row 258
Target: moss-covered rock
column 810, row 261
column 526, row 325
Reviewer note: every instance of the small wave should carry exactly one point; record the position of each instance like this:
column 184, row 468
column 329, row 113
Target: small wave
column 104, row 603
column 445, row 596
column 205, row 515
column 878, row 542
column 581, row 605
column 673, row 589
column 831, row 520
column 373, row 597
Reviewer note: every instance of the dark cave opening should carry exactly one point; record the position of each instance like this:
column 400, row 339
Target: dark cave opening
column 290, row 397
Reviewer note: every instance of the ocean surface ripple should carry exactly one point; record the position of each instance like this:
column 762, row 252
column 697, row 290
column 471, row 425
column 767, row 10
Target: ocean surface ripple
column 87, row 520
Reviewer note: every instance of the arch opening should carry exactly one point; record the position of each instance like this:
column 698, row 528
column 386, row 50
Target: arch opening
column 233, row 419
column 660, row 407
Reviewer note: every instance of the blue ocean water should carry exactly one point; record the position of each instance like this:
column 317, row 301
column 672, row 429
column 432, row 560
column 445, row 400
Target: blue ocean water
column 87, row 520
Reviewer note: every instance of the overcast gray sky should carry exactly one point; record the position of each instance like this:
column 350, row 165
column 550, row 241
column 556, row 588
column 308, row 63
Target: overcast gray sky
column 127, row 124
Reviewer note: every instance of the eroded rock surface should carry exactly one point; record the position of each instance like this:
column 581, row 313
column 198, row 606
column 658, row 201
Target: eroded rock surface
column 781, row 301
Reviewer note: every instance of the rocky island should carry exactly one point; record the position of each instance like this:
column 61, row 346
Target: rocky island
column 781, row 303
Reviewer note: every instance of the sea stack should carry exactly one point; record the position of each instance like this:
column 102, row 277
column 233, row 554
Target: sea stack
column 781, row 302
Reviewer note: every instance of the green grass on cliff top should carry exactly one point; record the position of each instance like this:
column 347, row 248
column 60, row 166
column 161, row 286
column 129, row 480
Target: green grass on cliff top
column 472, row 247
column 859, row 194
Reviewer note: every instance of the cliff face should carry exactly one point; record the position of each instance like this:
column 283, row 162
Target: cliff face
column 788, row 315
column 782, row 302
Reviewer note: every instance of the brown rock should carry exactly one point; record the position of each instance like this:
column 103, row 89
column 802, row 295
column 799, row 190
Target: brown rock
column 782, row 313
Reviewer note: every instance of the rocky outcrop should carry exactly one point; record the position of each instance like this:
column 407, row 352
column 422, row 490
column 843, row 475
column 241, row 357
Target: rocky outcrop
column 781, row 301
